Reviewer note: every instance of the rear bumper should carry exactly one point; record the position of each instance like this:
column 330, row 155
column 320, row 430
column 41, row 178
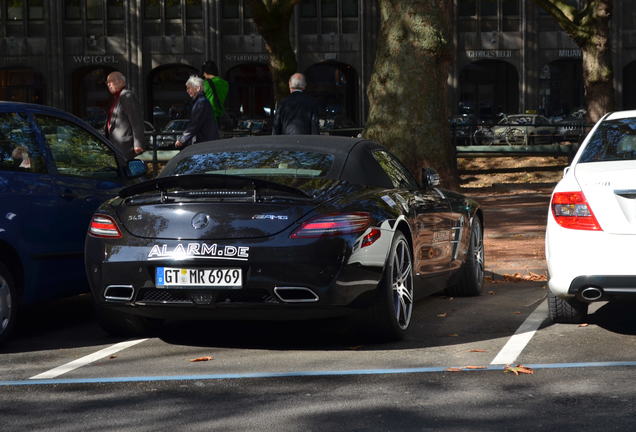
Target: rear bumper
column 307, row 279
column 611, row 287
column 579, row 259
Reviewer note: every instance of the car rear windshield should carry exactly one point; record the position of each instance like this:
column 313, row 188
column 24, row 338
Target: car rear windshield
column 613, row 140
column 285, row 163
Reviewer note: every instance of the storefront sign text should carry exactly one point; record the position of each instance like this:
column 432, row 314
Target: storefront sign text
column 95, row 59
column 246, row 57
column 570, row 53
column 489, row 53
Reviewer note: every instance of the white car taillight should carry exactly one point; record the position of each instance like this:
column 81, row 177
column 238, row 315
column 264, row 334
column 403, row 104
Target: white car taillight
column 104, row 226
column 571, row 210
column 333, row 224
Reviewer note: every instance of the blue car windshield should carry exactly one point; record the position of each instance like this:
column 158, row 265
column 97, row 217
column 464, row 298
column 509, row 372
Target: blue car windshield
column 260, row 163
column 613, row 140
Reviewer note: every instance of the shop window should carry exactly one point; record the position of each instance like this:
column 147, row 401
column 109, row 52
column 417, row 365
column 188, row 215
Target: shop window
column 172, row 17
column 308, row 9
column 489, row 15
column 167, row 98
column 251, row 93
column 237, row 18
column 152, row 9
column 487, row 88
column 90, row 96
column 329, row 16
column 334, row 85
column 329, row 8
column 467, row 8
column 72, row 10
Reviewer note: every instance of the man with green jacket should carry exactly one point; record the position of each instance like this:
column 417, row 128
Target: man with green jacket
column 215, row 89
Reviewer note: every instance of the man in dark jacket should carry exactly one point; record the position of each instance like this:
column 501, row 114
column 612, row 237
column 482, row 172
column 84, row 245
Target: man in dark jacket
column 202, row 125
column 297, row 114
column 124, row 125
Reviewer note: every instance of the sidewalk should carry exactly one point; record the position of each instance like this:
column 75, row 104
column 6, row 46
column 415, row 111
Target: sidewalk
column 515, row 217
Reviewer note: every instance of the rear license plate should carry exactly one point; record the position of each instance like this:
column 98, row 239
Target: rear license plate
column 196, row 277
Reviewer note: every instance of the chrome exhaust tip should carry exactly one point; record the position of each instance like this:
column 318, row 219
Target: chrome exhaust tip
column 295, row 295
column 591, row 293
column 119, row 292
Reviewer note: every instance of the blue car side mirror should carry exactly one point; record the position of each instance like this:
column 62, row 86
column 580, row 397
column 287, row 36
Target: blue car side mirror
column 136, row 168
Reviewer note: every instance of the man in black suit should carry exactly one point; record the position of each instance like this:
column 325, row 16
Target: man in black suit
column 297, row 114
column 202, row 125
column 124, row 125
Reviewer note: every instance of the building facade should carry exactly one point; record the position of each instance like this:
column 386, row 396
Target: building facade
column 510, row 55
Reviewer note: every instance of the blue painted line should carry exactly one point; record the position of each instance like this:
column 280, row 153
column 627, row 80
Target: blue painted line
column 302, row 374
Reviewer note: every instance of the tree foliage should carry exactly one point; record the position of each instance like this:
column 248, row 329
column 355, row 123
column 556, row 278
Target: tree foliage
column 272, row 19
column 588, row 26
column 408, row 91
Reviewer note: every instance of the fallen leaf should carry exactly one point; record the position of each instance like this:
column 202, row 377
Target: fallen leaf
column 517, row 313
column 519, row 369
column 454, row 334
column 477, row 350
column 442, row 315
column 475, row 367
column 530, row 276
column 583, row 325
column 200, row 359
column 112, row 357
column 453, row 369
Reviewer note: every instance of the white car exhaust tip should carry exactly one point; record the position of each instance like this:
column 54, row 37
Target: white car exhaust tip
column 591, row 293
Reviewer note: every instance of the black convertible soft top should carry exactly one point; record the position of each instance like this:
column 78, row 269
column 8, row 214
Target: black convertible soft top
column 353, row 161
column 331, row 144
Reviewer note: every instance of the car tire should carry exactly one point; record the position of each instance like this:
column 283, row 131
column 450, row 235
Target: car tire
column 566, row 311
column 471, row 274
column 390, row 316
column 8, row 303
column 118, row 323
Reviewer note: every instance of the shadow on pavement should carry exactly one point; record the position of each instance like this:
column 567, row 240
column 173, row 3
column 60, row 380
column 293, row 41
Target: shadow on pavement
column 58, row 324
column 616, row 317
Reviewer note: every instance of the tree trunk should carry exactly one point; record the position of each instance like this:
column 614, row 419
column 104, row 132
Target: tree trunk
column 408, row 90
column 272, row 22
column 598, row 74
column 589, row 28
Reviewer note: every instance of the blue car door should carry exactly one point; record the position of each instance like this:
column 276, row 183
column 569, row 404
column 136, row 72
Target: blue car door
column 27, row 199
column 85, row 173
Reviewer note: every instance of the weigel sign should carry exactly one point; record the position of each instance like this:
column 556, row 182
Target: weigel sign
column 96, row 59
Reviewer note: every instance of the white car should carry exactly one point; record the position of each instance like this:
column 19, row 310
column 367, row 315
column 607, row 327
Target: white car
column 591, row 230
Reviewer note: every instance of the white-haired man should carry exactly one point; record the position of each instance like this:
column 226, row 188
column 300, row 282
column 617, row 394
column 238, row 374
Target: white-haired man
column 202, row 126
column 297, row 114
column 125, row 124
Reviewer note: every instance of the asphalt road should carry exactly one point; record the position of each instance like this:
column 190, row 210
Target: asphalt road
column 447, row 374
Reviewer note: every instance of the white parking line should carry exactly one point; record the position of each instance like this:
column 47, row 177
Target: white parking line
column 522, row 336
column 83, row 361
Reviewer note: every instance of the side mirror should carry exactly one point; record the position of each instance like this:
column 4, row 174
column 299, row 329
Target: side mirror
column 430, row 178
column 136, row 168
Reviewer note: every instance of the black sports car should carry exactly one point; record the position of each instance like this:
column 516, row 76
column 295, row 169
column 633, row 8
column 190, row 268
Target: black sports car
column 281, row 227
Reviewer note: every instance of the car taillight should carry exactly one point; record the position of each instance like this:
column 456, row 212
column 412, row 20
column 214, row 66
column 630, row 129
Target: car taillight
column 571, row 210
column 371, row 237
column 333, row 224
column 104, row 226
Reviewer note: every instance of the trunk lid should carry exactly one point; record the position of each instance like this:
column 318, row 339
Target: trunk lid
column 610, row 190
column 208, row 206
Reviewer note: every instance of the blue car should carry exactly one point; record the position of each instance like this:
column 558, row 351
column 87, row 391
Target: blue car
column 55, row 170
